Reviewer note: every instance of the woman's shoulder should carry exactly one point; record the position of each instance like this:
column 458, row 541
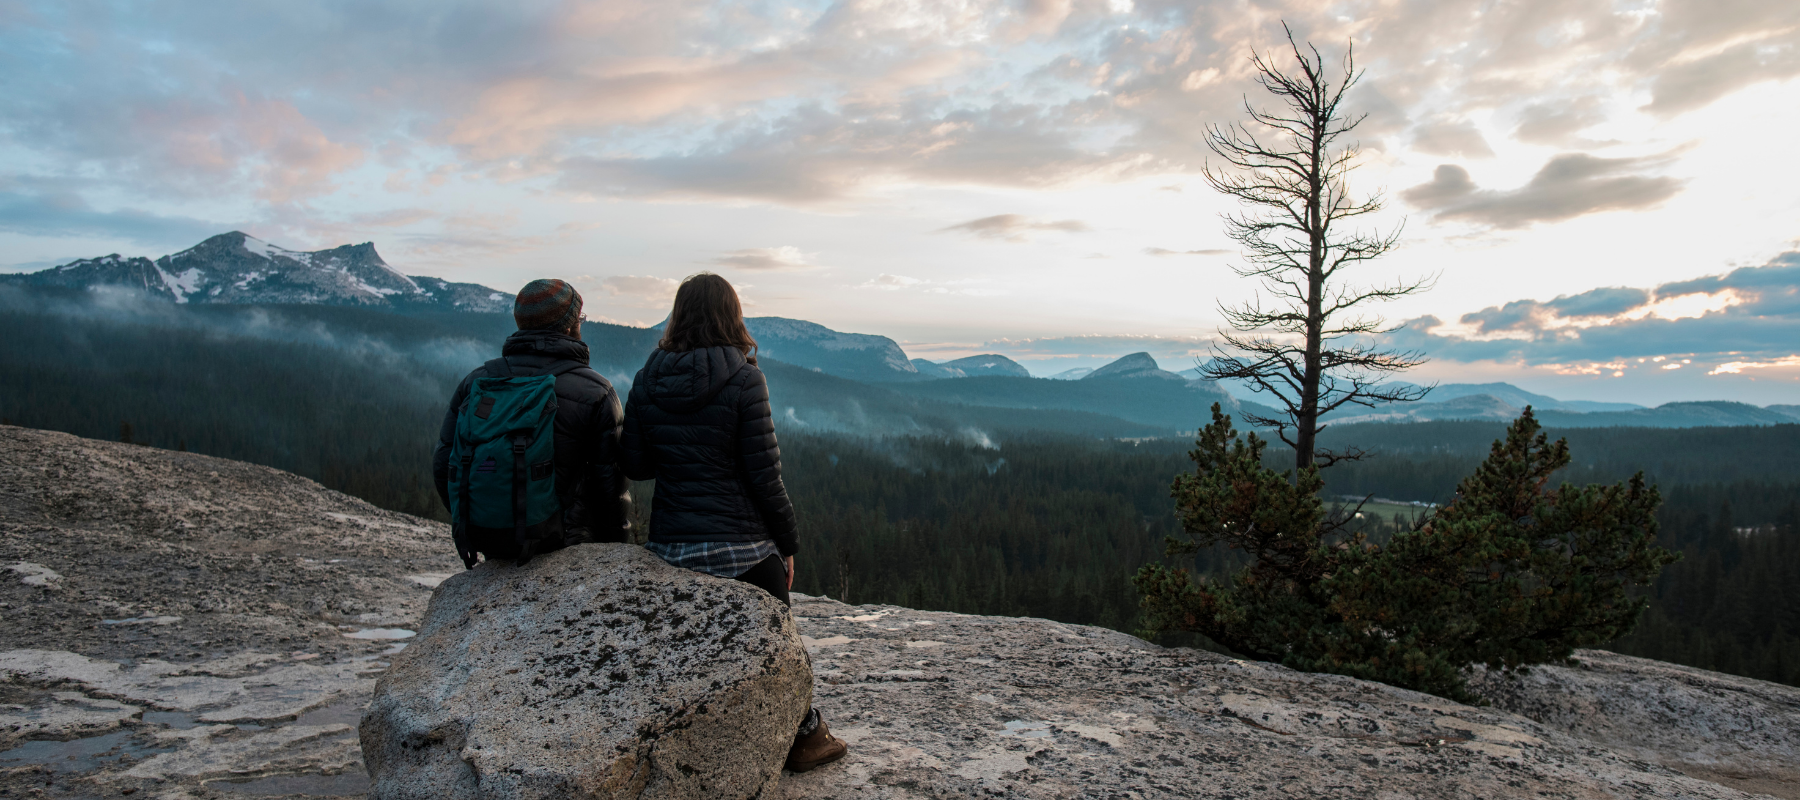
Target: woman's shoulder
column 749, row 375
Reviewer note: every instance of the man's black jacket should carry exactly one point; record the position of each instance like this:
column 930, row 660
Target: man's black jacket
column 595, row 499
column 699, row 424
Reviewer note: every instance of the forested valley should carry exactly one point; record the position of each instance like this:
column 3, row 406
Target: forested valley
column 963, row 508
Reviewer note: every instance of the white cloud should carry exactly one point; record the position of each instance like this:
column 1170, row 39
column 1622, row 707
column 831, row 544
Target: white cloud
column 1745, row 319
column 1453, row 138
column 1163, row 251
column 637, row 290
column 970, row 287
column 802, row 103
column 889, row 283
column 1737, row 367
column 1567, row 186
column 1014, row 227
column 785, row 257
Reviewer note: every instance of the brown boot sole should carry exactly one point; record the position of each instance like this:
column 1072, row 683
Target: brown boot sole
column 808, row 766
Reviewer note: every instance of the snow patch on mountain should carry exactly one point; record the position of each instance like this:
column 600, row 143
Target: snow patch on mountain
column 187, row 282
column 258, row 247
column 167, row 283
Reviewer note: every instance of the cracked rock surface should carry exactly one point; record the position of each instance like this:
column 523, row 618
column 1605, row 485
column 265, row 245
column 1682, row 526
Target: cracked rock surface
column 179, row 626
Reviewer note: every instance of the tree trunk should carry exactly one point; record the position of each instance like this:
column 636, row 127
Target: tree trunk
column 1308, row 419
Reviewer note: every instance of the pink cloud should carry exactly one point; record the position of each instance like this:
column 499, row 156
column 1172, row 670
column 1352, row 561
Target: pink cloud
column 269, row 145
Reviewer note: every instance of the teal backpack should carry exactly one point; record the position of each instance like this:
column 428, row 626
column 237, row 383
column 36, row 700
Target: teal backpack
column 503, row 466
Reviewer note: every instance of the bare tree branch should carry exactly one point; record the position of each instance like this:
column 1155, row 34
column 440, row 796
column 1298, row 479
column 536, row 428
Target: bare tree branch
column 1308, row 351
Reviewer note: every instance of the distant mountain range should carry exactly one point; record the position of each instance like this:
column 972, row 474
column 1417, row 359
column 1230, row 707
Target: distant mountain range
column 1502, row 401
column 1133, row 388
column 1519, row 398
column 1134, row 392
column 811, row 396
column 1506, row 393
column 240, row 269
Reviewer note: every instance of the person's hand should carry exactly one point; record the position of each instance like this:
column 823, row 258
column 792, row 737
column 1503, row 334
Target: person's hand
column 789, row 561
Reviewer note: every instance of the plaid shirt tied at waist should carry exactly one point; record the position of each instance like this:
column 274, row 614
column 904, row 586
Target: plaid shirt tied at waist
column 724, row 559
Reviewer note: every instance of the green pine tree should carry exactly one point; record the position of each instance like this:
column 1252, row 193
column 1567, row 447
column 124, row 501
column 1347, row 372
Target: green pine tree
column 1511, row 573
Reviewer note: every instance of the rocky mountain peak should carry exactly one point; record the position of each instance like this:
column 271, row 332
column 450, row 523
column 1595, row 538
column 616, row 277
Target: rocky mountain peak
column 859, row 356
column 236, row 267
column 1136, row 365
column 990, row 364
column 972, row 366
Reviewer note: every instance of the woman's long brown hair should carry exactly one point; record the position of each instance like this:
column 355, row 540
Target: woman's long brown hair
column 707, row 314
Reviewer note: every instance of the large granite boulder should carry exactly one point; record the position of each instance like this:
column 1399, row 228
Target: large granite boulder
column 594, row 672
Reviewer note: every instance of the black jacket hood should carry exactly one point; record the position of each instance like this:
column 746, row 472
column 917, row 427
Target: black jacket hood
column 681, row 383
column 545, row 343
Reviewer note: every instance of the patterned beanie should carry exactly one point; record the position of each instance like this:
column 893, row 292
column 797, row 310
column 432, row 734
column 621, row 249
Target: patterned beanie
column 547, row 304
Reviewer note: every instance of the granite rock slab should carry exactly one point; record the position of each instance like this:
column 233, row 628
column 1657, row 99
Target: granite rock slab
column 940, row 705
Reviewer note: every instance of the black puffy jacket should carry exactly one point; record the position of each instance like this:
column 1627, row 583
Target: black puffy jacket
column 699, row 424
column 596, row 503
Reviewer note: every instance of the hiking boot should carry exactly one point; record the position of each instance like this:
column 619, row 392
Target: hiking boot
column 815, row 749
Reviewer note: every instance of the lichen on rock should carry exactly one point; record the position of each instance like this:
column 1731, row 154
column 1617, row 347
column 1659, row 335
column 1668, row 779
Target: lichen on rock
column 595, row 671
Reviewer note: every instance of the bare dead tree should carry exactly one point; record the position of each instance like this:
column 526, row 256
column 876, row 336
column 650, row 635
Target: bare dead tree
column 1311, row 350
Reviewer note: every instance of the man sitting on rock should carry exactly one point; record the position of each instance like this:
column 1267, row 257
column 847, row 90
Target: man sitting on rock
column 590, row 502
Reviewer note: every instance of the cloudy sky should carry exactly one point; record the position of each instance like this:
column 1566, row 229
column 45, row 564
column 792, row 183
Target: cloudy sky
column 1605, row 190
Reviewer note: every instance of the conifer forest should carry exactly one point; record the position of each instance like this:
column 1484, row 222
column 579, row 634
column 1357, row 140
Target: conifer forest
column 970, row 515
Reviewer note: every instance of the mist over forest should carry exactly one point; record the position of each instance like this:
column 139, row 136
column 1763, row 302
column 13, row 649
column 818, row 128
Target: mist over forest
column 905, row 497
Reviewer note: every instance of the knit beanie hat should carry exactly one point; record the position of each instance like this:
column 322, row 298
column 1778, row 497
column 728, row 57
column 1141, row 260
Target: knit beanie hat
column 547, row 304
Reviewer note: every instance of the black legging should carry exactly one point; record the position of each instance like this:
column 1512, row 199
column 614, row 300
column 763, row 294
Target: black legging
column 769, row 575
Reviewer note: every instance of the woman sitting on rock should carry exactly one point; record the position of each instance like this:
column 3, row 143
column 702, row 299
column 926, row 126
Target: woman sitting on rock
column 697, row 421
